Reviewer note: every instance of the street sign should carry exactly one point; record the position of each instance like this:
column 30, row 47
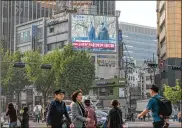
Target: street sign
column 120, row 36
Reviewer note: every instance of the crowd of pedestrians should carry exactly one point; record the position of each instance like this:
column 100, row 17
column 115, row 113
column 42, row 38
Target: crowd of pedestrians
column 84, row 116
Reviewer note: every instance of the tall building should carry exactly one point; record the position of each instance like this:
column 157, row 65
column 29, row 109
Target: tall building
column 139, row 43
column 104, row 7
column 16, row 12
column 169, row 39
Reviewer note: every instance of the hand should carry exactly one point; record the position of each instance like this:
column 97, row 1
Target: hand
column 71, row 125
column 88, row 119
column 139, row 115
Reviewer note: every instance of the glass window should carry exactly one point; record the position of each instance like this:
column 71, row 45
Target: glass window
column 25, row 37
column 51, row 30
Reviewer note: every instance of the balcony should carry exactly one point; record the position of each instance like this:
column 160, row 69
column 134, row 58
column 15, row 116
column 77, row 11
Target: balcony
column 161, row 4
column 162, row 18
column 162, row 34
column 163, row 50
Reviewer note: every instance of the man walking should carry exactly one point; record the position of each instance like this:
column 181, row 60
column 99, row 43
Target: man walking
column 37, row 114
column 158, row 121
column 56, row 111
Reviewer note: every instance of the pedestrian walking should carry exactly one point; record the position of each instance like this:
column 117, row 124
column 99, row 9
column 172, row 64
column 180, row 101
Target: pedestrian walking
column 37, row 114
column 156, row 106
column 91, row 115
column 179, row 117
column 56, row 111
column 79, row 114
column 25, row 118
column 115, row 119
column 11, row 112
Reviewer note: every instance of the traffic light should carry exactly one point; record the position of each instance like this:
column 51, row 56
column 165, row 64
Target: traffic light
column 176, row 68
column 46, row 66
column 19, row 65
column 152, row 65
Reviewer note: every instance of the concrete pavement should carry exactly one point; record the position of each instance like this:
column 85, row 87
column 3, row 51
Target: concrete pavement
column 31, row 125
column 128, row 125
column 149, row 125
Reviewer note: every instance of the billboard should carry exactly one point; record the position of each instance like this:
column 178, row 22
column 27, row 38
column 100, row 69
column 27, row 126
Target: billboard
column 94, row 33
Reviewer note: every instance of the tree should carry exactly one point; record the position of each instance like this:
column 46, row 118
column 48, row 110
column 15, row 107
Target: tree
column 173, row 93
column 15, row 79
column 77, row 70
column 42, row 79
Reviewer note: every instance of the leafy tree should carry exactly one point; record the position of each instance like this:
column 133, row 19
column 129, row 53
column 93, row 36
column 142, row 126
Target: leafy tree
column 173, row 93
column 15, row 79
column 42, row 79
column 77, row 70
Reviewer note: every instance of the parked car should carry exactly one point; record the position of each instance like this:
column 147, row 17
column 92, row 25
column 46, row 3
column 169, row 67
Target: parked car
column 101, row 117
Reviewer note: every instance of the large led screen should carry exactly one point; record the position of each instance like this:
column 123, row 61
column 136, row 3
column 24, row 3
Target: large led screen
column 94, row 33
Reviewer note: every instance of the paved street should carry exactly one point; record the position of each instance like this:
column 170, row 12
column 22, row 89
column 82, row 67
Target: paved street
column 32, row 125
column 129, row 125
column 149, row 125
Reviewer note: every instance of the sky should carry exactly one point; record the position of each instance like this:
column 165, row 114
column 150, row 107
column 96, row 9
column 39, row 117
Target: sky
column 138, row 12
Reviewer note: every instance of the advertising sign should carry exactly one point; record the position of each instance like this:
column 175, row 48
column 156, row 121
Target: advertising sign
column 106, row 60
column 94, row 33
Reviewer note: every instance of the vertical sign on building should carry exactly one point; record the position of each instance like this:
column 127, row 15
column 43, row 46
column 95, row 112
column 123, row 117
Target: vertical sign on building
column 34, row 32
column 120, row 47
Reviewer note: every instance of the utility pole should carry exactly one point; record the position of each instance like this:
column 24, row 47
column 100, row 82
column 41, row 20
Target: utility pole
column 154, row 68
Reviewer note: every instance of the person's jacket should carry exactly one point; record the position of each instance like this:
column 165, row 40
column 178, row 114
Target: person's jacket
column 91, row 33
column 25, row 120
column 55, row 114
column 103, row 34
column 78, row 118
column 92, row 115
column 12, row 115
column 115, row 118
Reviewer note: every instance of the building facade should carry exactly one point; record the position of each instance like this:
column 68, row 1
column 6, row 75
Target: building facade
column 139, row 42
column 17, row 12
column 108, row 89
column 169, row 40
column 47, row 34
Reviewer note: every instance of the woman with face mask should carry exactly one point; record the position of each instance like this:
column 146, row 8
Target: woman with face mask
column 79, row 114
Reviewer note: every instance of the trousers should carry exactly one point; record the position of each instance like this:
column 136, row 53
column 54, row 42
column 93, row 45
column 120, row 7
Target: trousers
column 158, row 124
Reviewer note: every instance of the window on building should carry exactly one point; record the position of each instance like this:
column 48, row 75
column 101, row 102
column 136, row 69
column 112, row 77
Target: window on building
column 25, row 37
column 106, row 91
column 51, row 30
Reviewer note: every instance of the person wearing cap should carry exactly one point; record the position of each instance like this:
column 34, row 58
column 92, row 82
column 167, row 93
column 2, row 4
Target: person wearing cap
column 91, row 115
column 158, row 121
column 56, row 111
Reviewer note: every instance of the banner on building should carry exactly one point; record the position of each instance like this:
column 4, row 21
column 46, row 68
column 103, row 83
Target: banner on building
column 94, row 33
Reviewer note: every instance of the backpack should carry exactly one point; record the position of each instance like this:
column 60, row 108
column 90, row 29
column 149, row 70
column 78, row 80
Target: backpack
column 165, row 106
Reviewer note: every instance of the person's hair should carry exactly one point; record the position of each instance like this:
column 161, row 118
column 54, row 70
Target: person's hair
column 87, row 102
column 75, row 94
column 114, row 103
column 154, row 88
column 25, row 109
column 11, row 106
